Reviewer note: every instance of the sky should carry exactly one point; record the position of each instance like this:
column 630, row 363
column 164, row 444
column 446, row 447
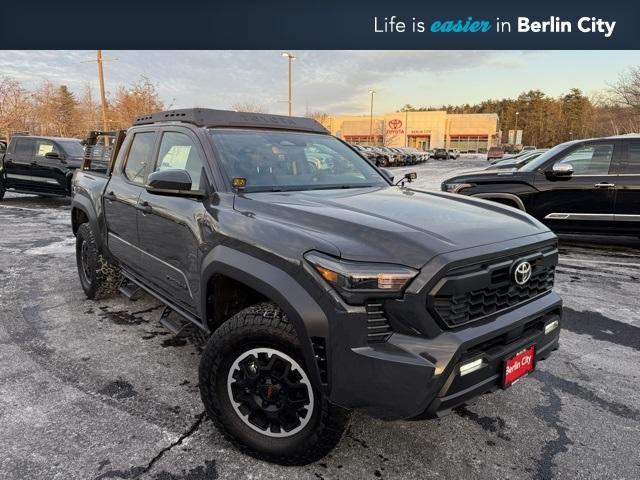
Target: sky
column 334, row 82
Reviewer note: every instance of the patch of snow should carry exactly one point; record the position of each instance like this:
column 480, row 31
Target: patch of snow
column 63, row 247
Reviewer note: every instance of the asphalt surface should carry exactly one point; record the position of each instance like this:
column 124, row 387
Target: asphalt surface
column 99, row 390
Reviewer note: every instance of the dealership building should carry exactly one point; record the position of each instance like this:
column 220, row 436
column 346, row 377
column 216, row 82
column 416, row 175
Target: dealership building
column 422, row 130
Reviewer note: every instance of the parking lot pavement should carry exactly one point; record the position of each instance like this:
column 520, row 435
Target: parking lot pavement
column 99, row 390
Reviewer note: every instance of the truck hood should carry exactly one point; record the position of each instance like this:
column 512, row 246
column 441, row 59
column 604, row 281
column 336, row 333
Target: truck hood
column 390, row 224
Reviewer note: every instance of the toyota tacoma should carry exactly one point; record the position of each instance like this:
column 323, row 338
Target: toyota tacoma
column 323, row 287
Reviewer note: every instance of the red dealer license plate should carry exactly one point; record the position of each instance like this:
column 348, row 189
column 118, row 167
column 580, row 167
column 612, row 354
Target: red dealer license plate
column 519, row 365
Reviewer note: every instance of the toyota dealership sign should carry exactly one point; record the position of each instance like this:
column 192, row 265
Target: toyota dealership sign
column 394, row 127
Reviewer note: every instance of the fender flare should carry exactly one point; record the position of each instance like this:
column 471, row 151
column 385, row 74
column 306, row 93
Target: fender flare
column 506, row 196
column 84, row 205
column 304, row 313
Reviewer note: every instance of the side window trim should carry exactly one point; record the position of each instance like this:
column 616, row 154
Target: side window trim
column 125, row 160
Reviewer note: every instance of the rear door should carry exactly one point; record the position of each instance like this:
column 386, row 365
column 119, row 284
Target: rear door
column 170, row 226
column 121, row 198
column 585, row 201
column 17, row 163
column 627, row 211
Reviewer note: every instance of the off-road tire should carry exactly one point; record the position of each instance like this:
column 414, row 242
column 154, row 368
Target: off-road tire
column 103, row 277
column 264, row 325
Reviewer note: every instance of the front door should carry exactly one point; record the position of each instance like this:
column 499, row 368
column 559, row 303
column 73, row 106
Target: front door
column 627, row 213
column 49, row 174
column 170, row 226
column 583, row 202
column 121, row 200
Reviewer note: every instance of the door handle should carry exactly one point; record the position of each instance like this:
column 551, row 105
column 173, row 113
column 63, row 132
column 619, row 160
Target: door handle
column 110, row 196
column 605, row 185
column 144, row 207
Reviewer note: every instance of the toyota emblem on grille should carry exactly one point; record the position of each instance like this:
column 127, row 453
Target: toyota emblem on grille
column 522, row 273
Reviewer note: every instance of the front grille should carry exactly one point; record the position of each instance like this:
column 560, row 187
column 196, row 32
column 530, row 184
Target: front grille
column 378, row 328
column 484, row 290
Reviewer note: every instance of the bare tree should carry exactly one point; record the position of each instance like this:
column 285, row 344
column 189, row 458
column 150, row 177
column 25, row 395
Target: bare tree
column 88, row 112
column 626, row 90
column 129, row 102
column 15, row 107
column 320, row 117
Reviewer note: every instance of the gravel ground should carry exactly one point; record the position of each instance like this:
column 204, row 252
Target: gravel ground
column 99, row 390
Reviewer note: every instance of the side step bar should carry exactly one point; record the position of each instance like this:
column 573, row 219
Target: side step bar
column 175, row 326
column 130, row 289
column 184, row 314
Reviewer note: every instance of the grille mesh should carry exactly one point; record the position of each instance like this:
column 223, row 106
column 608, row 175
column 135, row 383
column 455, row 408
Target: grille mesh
column 466, row 307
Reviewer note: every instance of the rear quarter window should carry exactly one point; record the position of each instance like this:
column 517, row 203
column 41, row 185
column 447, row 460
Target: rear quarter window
column 632, row 164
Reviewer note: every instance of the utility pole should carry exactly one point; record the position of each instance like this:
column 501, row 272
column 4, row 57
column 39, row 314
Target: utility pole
column 291, row 58
column 103, row 96
column 371, row 92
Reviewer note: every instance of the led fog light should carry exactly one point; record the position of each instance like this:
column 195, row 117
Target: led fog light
column 469, row 367
column 551, row 326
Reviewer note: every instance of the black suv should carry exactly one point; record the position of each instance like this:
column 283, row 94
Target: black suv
column 321, row 285
column 582, row 186
column 40, row 165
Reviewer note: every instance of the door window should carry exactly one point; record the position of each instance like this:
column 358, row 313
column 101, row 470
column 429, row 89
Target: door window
column 632, row 165
column 138, row 157
column 179, row 151
column 43, row 147
column 592, row 159
column 24, row 146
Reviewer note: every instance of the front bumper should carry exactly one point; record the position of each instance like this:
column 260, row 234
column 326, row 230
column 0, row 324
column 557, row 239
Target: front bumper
column 417, row 377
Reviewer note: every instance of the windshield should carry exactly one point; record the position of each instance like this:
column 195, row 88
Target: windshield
column 276, row 161
column 72, row 148
column 535, row 164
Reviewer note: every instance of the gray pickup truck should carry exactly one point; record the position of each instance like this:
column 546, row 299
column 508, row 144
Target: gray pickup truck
column 323, row 286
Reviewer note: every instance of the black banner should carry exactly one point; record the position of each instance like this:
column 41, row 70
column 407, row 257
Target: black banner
column 329, row 24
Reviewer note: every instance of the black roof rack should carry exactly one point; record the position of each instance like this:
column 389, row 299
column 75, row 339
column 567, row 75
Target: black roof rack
column 205, row 117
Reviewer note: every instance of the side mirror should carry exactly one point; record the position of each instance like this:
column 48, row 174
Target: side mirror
column 407, row 177
column 387, row 173
column 562, row 170
column 173, row 182
column 52, row 155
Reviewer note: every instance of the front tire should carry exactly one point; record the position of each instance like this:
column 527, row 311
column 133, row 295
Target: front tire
column 257, row 390
column 2, row 191
column 99, row 277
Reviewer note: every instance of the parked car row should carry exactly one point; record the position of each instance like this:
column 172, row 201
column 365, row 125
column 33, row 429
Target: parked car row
column 392, row 156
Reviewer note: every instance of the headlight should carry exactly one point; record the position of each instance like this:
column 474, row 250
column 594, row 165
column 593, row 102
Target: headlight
column 356, row 281
column 455, row 187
